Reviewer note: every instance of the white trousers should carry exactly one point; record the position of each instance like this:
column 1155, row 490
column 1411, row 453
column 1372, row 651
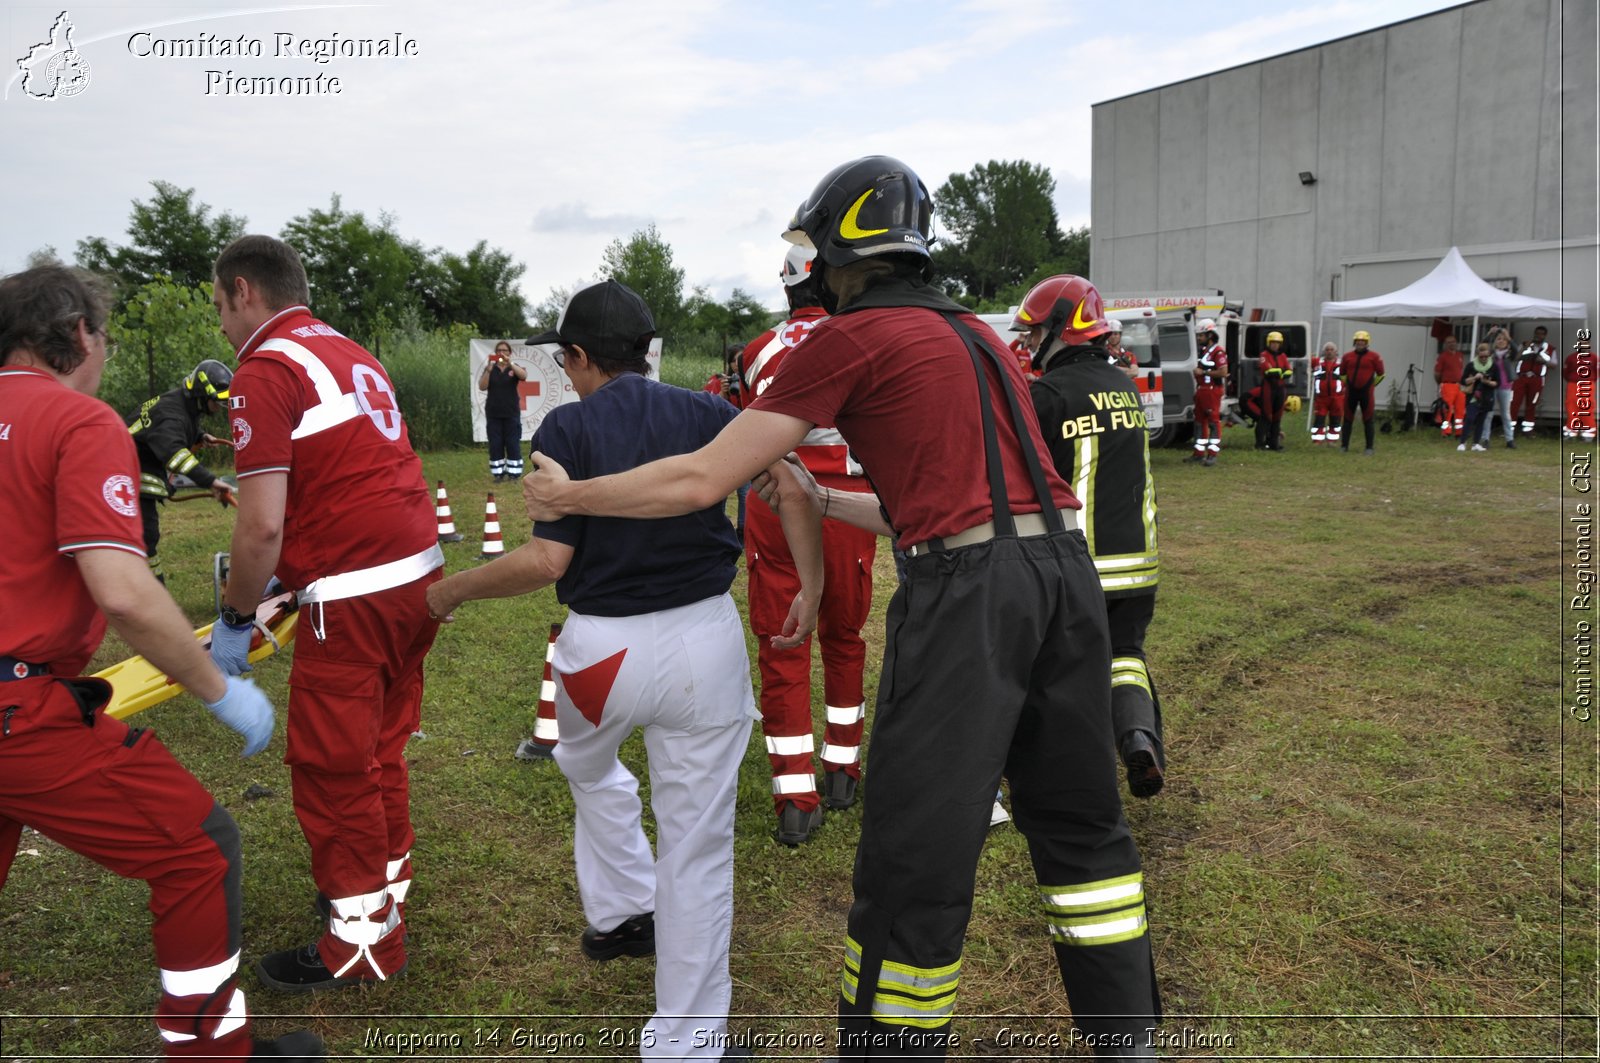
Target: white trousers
column 682, row 675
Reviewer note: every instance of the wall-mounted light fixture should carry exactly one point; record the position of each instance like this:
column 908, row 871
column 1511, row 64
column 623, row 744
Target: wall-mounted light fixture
column 1307, row 177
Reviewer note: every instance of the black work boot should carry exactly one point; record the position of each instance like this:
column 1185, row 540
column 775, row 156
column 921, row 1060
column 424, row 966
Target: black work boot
column 301, row 1044
column 1139, row 756
column 635, row 936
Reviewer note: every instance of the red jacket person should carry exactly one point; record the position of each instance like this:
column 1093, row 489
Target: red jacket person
column 1361, row 370
column 75, row 554
column 997, row 657
column 846, row 598
column 333, row 502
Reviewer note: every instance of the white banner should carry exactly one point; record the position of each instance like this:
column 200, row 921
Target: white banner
column 546, row 388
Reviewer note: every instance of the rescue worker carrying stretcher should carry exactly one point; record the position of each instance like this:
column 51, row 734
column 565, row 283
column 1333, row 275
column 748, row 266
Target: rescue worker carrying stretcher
column 112, row 793
column 166, row 432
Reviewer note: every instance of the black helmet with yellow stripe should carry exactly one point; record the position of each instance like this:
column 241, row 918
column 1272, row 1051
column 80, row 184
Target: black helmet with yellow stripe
column 209, row 381
column 870, row 206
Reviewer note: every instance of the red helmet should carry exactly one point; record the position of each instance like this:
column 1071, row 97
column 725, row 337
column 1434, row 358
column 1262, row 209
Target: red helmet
column 1067, row 306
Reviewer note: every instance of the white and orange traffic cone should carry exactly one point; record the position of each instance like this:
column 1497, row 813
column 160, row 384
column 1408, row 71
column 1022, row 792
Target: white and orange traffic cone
column 493, row 546
column 541, row 745
column 447, row 522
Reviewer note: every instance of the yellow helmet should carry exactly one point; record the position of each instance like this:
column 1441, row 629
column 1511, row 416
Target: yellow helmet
column 1361, row 335
column 1292, row 403
column 1274, row 336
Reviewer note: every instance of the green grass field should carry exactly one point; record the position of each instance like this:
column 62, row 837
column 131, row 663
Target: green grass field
column 1377, row 838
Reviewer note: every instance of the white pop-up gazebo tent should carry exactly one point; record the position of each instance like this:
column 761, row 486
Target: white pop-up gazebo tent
column 1450, row 290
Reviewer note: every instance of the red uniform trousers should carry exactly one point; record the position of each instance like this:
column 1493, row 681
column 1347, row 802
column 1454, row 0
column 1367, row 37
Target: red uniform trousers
column 116, row 795
column 786, row 674
column 1208, row 418
column 1455, row 407
column 355, row 698
column 1526, row 391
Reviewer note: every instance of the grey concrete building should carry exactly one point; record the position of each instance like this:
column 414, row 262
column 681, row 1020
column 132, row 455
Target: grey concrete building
column 1347, row 169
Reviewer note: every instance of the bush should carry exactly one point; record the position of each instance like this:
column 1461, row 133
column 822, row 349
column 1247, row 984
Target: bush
column 431, row 374
column 163, row 331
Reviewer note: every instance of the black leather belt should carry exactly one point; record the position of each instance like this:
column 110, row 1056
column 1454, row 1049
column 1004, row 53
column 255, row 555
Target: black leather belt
column 12, row 669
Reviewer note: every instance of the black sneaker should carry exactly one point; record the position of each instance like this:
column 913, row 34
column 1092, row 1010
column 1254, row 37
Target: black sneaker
column 839, row 789
column 796, row 827
column 1511, row 444
column 302, row 1044
column 635, row 936
column 1144, row 769
column 531, row 750
column 301, row 970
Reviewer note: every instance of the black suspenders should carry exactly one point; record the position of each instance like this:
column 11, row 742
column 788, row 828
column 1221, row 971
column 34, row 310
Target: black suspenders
column 1003, row 521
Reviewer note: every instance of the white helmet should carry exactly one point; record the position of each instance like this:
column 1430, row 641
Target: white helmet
column 797, row 265
column 1206, row 325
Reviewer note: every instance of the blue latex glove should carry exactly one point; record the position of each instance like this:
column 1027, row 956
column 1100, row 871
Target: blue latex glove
column 230, row 646
column 245, row 709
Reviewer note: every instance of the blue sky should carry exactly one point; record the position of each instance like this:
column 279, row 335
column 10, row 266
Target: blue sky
column 552, row 128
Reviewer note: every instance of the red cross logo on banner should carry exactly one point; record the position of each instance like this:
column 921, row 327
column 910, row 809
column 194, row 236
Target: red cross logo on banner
column 796, row 332
column 527, row 389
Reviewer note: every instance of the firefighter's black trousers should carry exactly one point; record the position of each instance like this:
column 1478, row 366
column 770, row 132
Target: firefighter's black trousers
column 997, row 659
column 1135, row 705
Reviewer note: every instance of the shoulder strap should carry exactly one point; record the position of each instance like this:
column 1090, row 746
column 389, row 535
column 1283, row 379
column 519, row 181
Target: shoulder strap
column 1003, row 522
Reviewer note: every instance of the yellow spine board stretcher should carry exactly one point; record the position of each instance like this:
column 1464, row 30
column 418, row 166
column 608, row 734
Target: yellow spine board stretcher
column 136, row 684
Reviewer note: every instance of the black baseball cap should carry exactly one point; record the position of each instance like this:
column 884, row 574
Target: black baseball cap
column 607, row 319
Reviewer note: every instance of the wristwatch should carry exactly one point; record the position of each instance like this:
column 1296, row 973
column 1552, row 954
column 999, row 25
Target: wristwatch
column 233, row 618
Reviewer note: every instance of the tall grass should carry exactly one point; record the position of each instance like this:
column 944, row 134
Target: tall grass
column 431, row 375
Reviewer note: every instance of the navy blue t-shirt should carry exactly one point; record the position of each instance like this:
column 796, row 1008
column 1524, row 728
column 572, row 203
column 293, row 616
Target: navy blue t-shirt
column 622, row 566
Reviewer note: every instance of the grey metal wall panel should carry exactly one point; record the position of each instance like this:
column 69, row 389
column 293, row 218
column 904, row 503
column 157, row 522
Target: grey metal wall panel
column 1230, row 262
column 1181, row 259
column 1288, row 144
column 1233, row 145
column 1502, row 68
column 1284, row 264
column 1571, row 60
column 1420, row 108
column 1136, row 163
column 1350, row 145
column 1181, row 195
column 1133, row 264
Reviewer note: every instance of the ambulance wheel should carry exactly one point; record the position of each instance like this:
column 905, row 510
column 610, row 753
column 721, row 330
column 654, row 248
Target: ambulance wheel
column 1164, row 436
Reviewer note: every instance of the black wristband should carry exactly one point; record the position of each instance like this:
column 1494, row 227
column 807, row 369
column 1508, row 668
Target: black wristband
column 233, row 618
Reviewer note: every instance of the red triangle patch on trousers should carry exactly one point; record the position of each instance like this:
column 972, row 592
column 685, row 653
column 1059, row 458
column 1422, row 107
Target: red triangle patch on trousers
column 590, row 687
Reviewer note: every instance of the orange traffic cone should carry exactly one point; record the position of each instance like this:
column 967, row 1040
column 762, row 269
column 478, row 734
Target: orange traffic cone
column 447, row 523
column 542, row 744
column 492, row 544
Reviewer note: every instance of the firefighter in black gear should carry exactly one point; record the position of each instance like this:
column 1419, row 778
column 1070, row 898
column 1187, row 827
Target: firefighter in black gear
column 1092, row 418
column 166, row 430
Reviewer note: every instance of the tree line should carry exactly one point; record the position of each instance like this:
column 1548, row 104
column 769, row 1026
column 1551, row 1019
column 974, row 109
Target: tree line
column 997, row 234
